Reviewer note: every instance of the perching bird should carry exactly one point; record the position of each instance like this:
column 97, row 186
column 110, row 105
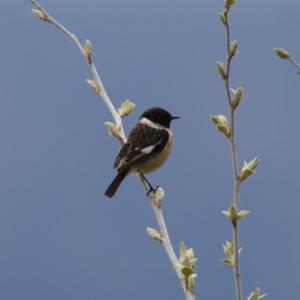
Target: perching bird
column 147, row 148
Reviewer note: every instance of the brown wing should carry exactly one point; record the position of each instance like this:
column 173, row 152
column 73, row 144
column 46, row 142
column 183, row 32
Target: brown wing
column 143, row 142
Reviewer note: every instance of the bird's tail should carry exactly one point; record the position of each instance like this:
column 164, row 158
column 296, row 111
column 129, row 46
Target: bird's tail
column 111, row 190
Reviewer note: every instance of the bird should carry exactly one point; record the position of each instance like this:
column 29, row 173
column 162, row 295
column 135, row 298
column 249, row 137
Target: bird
column 148, row 146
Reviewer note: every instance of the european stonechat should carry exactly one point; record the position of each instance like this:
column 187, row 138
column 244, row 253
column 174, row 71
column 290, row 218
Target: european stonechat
column 147, row 148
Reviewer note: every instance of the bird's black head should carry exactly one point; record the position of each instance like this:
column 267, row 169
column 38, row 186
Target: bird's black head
column 159, row 116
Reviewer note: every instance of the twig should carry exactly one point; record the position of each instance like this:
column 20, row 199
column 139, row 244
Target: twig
column 100, row 90
column 297, row 65
column 166, row 242
column 284, row 54
column 233, row 147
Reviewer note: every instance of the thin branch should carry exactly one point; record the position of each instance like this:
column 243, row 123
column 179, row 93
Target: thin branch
column 44, row 15
column 297, row 65
column 166, row 242
column 284, row 54
column 234, row 155
column 101, row 91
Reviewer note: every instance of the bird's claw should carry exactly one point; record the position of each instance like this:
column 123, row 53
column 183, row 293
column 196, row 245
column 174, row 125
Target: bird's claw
column 152, row 190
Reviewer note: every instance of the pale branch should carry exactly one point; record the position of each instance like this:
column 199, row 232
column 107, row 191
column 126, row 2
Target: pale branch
column 101, row 91
column 166, row 242
column 45, row 16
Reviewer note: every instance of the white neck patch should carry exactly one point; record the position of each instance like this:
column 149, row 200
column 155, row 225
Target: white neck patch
column 146, row 121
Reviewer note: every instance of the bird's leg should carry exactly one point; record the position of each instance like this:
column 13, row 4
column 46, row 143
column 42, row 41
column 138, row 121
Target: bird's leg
column 150, row 187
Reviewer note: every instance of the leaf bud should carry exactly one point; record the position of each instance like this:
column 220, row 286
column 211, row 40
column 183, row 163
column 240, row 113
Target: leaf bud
column 113, row 129
column 94, row 85
column 237, row 95
column 126, row 108
column 282, row 53
column 221, row 69
column 233, row 48
column 221, row 124
column 154, row 234
column 249, row 168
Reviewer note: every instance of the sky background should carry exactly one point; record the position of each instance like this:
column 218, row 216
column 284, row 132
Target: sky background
column 60, row 238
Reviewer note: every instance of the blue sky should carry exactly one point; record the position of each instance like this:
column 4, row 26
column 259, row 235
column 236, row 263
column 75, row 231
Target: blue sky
column 60, row 238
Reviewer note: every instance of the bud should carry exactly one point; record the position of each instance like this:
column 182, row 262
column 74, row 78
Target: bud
column 229, row 3
column 221, row 69
column 126, row 108
column 223, row 18
column 221, row 124
column 187, row 264
column 282, row 53
column 249, row 168
column 229, row 250
column 233, row 214
column 39, row 14
column 158, row 196
column 256, row 295
column 113, row 129
column 88, row 47
column 233, row 48
column 154, row 234
column 94, row 85
column 237, row 95
column 187, row 257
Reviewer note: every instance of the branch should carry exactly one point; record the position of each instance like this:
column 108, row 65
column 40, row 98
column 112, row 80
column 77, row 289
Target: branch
column 232, row 249
column 97, row 85
column 40, row 12
column 284, row 54
column 297, row 65
column 234, row 155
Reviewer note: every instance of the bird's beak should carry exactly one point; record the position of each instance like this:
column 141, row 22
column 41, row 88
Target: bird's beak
column 175, row 118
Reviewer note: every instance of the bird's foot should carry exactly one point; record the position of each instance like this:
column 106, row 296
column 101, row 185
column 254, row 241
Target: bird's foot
column 152, row 190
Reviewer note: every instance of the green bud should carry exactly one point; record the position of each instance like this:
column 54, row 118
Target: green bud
column 187, row 265
column 237, row 95
column 231, row 213
column 233, row 48
column 182, row 248
column 221, row 124
column 282, row 53
column 94, row 85
column 223, row 18
column 228, row 262
column 249, row 168
column 235, row 215
column 126, row 108
column 154, row 234
column 187, row 257
column 113, row 129
column 228, row 249
column 256, row 295
column 221, row 69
